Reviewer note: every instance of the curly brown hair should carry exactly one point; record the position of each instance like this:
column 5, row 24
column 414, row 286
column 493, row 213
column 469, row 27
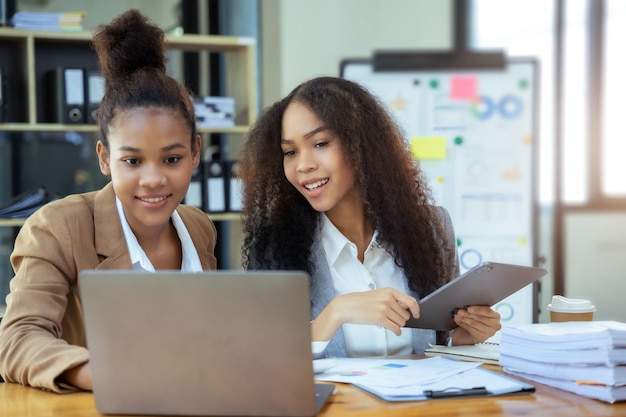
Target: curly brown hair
column 279, row 223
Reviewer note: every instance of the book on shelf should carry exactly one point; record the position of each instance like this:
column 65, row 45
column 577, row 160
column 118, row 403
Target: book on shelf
column 586, row 358
column 54, row 21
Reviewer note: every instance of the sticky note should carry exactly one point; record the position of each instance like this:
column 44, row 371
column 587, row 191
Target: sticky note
column 428, row 147
column 463, row 88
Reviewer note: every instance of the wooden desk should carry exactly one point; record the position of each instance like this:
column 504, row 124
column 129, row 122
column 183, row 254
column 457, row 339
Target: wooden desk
column 16, row 400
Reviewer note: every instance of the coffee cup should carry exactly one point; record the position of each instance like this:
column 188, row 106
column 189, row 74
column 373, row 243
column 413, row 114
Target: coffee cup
column 570, row 309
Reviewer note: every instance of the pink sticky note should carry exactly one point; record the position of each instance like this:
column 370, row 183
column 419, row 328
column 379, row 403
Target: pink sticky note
column 463, row 88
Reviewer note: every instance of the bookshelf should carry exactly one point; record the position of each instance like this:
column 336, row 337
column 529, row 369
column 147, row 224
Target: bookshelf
column 27, row 55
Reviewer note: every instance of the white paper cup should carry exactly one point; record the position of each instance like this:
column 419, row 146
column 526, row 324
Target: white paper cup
column 570, row 309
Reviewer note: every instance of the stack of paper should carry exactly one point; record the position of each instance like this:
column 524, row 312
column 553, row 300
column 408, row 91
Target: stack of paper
column 587, row 358
column 422, row 379
column 480, row 352
column 61, row 21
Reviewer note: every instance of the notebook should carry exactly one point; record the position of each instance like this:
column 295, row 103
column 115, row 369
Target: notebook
column 212, row 343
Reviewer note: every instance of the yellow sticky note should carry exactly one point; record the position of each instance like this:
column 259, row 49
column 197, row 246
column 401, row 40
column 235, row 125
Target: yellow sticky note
column 428, row 147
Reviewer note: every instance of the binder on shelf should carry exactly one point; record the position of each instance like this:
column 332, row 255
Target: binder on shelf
column 233, row 187
column 67, row 95
column 25, row 204
column 194, row 192
column 94, row 91
column 2, row 95
column 7, row 9
column 215, row 187
column 217, row 112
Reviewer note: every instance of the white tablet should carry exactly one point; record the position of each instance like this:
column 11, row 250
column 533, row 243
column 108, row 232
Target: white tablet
column 485, row 284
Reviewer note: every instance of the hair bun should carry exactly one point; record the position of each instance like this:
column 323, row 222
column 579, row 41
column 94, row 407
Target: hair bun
column 130, row 43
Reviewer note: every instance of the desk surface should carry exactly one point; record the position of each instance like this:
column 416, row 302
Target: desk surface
column 17, row 400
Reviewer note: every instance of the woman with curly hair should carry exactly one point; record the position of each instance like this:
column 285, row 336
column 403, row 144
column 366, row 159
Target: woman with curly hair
column 330, row 188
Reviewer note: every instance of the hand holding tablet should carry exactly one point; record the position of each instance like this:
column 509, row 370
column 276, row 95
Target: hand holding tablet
column 485, row 284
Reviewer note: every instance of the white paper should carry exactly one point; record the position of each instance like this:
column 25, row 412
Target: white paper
column 394, row 373
column 494, row 383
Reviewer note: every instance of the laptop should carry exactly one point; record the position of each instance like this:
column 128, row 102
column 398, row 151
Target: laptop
column 215, row 343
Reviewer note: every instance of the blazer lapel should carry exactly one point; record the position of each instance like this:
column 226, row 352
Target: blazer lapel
column 204, row 246
column 109, row 237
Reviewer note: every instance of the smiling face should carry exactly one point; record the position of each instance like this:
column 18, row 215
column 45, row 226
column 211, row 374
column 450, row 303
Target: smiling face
column 150, row 159
column 315, row 162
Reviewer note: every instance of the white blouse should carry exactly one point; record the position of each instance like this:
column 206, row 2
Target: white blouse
column 349, row 275
column 139, row 259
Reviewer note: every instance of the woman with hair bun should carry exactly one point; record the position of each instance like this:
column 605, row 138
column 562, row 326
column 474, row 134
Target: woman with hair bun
column 149, row 147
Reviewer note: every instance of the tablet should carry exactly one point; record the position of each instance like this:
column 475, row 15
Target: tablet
column 485, row 284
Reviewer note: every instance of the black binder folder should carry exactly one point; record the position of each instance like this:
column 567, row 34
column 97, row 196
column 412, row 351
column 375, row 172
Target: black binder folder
column 3, row 99
column 233, row 187
column 66, row 88
column 215, row 187
column 94, row 91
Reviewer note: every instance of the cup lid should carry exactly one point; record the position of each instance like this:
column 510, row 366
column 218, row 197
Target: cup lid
column 570, row 305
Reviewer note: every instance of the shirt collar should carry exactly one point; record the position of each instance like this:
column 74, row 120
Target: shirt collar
column 334, row 242
column 139, row 259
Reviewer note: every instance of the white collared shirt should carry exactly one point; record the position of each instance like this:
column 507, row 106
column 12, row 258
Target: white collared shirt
column 349, row 275
column 138, row 257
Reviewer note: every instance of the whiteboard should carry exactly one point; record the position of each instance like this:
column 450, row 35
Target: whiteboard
column 475, row 135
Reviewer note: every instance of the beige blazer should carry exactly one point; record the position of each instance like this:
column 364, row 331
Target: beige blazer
column 42, row 332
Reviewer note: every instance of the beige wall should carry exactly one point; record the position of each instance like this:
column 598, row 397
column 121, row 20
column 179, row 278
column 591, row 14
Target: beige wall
column 301, row 39
column 594, row 248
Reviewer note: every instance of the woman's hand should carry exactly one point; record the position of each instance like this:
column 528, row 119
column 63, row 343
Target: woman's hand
column 476, row 324
column 384, row 307
column 79, row 377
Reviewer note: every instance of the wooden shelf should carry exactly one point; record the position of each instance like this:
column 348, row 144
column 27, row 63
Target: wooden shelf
column 55, row 127
column 216, row 217
column 190, row 42
column 11, row 222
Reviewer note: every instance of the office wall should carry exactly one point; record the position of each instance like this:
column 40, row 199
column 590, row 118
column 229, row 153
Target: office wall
column 595, row 266
column 545, row 251
column 301, row 39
